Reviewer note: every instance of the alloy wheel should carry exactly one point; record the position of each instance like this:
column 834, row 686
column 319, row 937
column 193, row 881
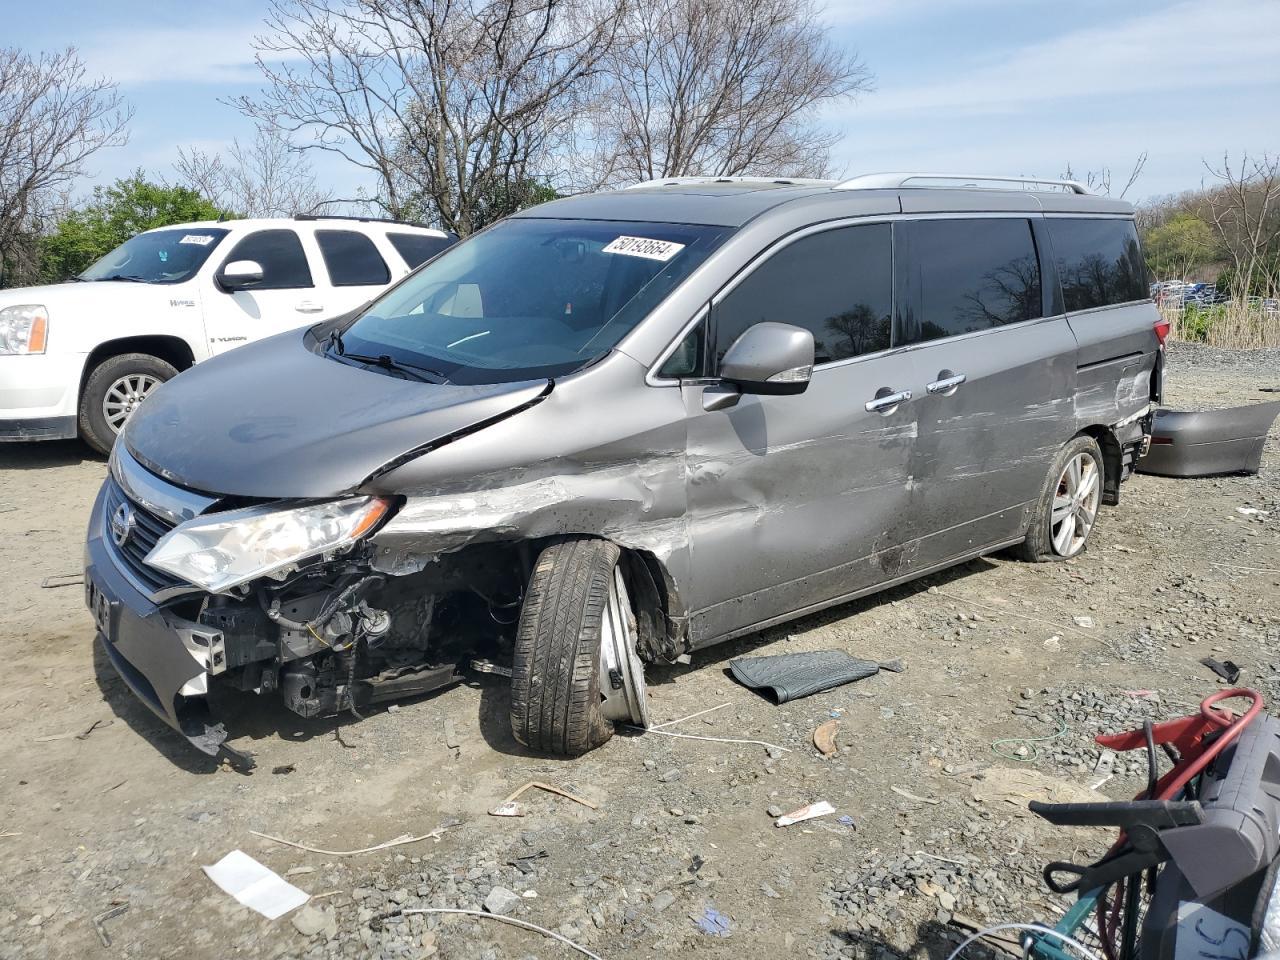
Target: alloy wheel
column 1075, row 505
column 123, row 397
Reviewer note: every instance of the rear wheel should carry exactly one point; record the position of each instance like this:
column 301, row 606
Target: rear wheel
column 576, row 670
column 1069, row 503
column 114, row 391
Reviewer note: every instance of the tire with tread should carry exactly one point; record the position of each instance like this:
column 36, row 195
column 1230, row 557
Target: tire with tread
column 1038, row 546
column 555, row 675
column 94, row 429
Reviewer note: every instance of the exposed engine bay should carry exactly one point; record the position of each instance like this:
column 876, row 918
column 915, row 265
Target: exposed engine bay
column 337, row 636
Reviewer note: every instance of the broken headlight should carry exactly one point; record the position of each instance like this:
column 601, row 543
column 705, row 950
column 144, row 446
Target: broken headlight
column 223, row 550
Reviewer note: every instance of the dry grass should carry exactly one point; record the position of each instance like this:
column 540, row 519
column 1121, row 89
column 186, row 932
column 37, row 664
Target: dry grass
column 1238, row 324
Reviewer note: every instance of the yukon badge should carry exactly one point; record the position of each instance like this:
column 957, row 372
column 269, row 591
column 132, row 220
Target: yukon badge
column 122, row 523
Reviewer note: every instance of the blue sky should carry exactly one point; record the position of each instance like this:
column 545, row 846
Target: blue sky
column 1004, row 86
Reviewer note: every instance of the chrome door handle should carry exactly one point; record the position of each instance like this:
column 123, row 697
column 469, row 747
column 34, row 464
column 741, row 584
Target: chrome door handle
column 309, row 306
column 886, row 403
column 946, row 385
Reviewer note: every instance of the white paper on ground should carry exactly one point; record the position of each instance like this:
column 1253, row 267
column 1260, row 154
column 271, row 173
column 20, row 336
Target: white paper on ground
column 254, row 885
column 819, row 809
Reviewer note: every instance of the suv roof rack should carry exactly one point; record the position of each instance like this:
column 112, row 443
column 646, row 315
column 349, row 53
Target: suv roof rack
column 780, row 181
column 339, row 216
column 889, row 181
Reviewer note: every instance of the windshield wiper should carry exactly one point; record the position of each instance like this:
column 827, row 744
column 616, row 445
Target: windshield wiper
column 121, row 276
column 385, row 361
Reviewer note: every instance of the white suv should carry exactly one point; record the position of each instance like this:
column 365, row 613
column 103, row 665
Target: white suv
column 78, row 357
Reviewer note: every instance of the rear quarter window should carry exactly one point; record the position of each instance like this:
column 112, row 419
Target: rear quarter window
column 417, row 248
column 351, row 259
column 1099, row 262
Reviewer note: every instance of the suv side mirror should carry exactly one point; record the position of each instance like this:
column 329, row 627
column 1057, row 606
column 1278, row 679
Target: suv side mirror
column 239, row 274
column 770, row 358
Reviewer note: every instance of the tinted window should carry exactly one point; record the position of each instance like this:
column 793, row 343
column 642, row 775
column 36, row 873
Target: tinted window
column 838, row 284
column 1099, row 262
column 970, row 275
column 351, row 259
column 417, row 248
column 279, row 253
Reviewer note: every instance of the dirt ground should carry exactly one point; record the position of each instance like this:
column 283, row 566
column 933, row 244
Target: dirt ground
column 102, row 806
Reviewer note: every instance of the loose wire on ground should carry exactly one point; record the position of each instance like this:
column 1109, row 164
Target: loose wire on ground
column 1031, row 928
column 1032, row 741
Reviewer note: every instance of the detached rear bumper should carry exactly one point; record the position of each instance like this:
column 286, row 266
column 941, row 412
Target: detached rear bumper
column 163, row 658
column 1208, row 442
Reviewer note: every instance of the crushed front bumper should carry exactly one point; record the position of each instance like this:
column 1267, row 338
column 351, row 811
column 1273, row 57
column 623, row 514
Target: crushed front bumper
column 163, row 658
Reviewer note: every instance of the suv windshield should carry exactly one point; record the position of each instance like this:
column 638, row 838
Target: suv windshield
column 529, row 298
column 158, row 256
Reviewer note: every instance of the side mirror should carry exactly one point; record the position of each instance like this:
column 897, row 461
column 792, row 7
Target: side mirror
column 770, row 358
column 239, row 274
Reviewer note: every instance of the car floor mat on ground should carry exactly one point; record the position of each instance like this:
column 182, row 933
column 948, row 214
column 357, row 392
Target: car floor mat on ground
column 795, row 675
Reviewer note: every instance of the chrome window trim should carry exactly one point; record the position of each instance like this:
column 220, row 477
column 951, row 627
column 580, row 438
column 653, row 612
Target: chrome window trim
column 653, row 380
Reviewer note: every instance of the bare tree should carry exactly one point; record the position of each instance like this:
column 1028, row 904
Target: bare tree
column 445, row 102
column 1245, row 213
column 722, row 88
column 53, row 118
column 1099, row 181
column 267, row 178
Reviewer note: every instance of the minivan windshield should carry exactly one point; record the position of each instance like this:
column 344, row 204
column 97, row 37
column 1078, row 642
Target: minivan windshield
column 158, row 256
column 527, row 298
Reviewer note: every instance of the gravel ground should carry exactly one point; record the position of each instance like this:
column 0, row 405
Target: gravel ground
column 1012, row 668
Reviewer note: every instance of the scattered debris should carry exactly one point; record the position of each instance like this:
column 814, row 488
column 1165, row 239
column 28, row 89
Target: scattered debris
column 1252, row 512
column 397, row 842
column 1227, row 670
column 791, row 676
column 1053, row 643
column 92, row 727
column 911, row 796
column 713, row 923
column 824, row 738
column 509, row 807
column 255, row 886
column 501, row 901
column 1142, row 694
column 1122, row 548
column 451, row 735
column 284, row 768
column 10, row 833
column 893, row 666
column 691, row 716
column 819, row 809
column 1012, row 613
column 1086, row 622
column 100, row 920
column 117, row 786
column 770, row 747
column 62, row 580
column 299, row 871
column 511, row 920
column 846, row 821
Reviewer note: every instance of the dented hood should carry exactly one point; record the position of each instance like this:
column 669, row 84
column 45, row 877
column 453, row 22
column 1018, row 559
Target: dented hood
column 274, row 419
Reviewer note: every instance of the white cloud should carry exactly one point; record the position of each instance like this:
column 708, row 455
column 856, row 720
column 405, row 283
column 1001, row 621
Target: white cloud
column 1188, row 46
column 137, row 56
column 846, row 12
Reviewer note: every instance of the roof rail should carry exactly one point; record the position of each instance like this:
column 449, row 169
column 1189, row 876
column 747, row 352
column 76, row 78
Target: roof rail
column 890, row 181
column 685, row 181
column 358, row 219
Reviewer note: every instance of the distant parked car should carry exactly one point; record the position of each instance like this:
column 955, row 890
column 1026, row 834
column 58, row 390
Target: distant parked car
column 78, row 357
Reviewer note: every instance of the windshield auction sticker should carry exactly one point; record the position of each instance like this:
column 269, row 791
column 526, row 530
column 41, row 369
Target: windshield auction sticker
column 643, row 247
column 200, row 239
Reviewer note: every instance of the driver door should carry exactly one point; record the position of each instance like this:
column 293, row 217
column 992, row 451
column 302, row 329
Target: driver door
column 287, row 296
column 797, row 500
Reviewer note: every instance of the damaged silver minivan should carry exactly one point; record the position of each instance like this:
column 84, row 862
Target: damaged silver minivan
column 620, row 427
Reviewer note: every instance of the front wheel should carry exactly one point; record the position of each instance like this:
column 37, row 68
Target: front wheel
column 113, row 392
column 576, row 670
column 1068, row 507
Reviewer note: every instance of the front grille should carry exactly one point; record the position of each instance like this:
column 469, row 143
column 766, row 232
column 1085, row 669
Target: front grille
column 146, row 533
